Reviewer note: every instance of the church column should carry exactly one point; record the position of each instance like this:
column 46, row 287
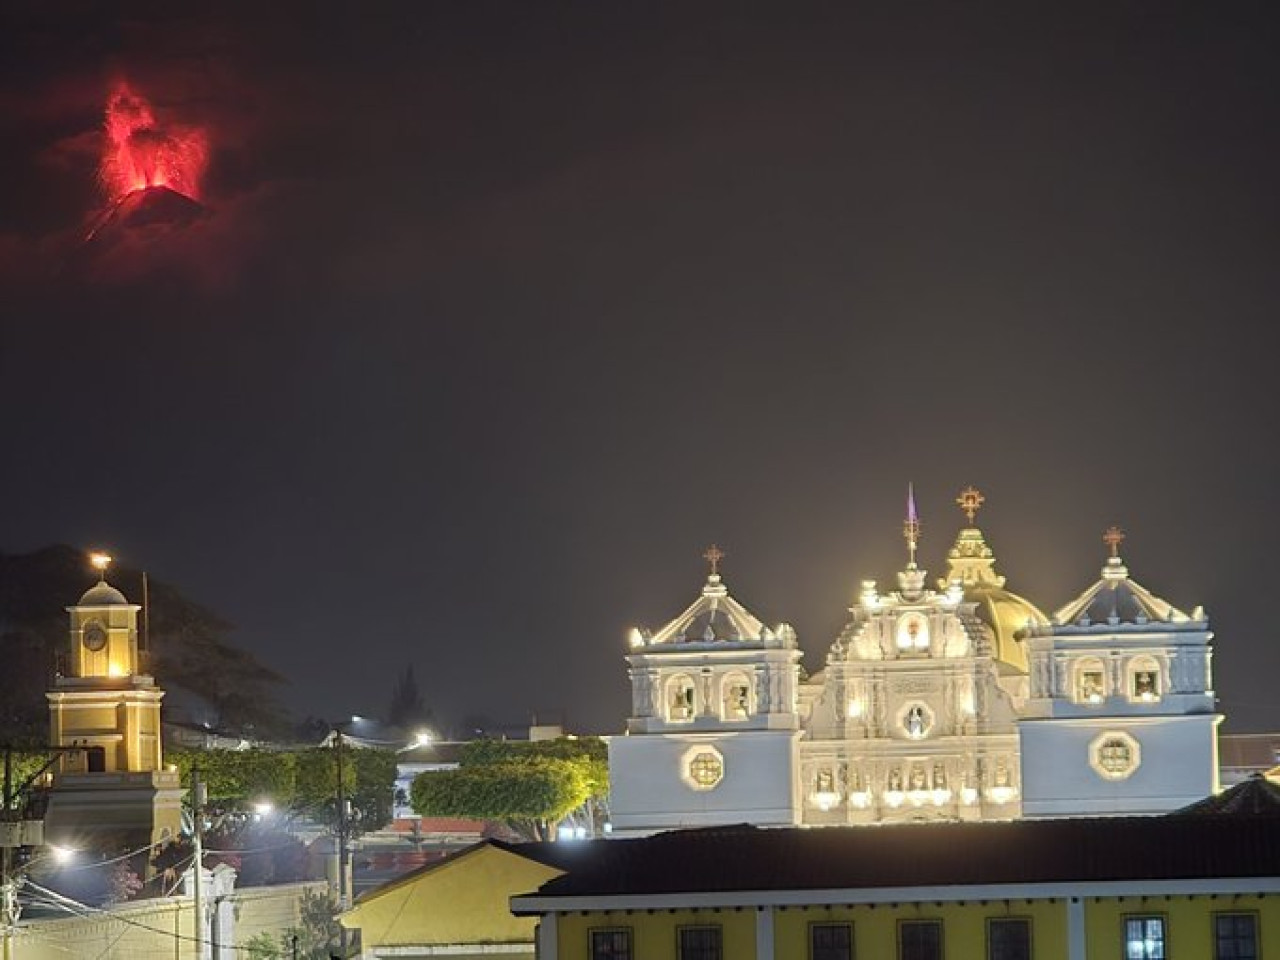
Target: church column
column 764, row 933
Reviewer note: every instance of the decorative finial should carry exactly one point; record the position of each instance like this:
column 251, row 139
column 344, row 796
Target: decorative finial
column 971, row 501
column 100, row 563
column 1113, row 538
column 713, row 556
column 911, row 528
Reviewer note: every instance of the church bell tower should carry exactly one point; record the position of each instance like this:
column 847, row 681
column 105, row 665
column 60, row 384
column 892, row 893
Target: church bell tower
column 113, row 782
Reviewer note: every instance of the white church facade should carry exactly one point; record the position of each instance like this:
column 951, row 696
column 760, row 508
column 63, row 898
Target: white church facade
column 963, row 702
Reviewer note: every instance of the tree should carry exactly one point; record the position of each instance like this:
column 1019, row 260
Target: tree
column 406, row 707
column 303, row 781
column 531, row 787
column 189, row 645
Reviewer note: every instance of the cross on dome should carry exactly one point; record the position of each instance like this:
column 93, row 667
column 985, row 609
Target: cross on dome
column 100, row 562
column 970, row 502
column 713, row 556
column 1113, row 538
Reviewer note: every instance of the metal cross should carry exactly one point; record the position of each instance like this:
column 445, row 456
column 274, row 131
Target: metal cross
column 713, row 556
column 1113, row 538
column 971, row 500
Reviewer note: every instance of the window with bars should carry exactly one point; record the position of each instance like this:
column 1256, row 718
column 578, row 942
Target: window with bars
column 920, row 940
column 1235, row 936
column 1008, row 938
column 611, row 944
column 699, row 943
column 830, row 941
column 1144, row 938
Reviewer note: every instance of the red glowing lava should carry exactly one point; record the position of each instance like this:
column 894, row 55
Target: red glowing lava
column 138, row 152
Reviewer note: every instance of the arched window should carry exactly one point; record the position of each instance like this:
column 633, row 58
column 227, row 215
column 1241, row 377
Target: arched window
column 1144, row 679
column 1090, row 681
column 735, row 697
column 680, row 698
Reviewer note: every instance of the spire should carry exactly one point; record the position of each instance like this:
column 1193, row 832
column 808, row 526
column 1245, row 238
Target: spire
column 972, row 562
column 911, row 528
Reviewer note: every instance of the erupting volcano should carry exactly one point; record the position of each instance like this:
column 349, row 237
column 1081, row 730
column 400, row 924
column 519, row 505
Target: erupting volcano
column 150, row 171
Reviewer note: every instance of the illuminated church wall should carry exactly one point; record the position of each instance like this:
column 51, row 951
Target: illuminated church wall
column 954, row 701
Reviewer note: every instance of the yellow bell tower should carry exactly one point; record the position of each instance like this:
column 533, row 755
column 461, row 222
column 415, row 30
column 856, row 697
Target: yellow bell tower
column 115, row 781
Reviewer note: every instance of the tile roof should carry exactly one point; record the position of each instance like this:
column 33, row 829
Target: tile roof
column 1254, row 797
column 745, row 858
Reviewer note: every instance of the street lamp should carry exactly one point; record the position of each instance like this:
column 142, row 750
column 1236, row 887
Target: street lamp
column 11, row 880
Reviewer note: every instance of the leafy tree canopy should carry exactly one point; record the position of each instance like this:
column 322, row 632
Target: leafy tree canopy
column 303, row 780
column 530, row 786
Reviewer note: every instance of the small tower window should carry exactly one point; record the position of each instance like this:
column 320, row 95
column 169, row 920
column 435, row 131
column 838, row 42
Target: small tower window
column 737, row 698
column 1090, row 686
column 1144, row 680
column 96, row 759
column 680, row 699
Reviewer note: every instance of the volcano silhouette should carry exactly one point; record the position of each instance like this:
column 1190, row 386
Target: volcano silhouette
column 151, row 209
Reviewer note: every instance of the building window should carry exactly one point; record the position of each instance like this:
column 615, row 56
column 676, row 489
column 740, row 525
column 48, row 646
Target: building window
column 920, row 940
column 1089, row 683
column 830, row 941
column 1235, row 936
column 699, row 943
column 705, row 770
column 680, row 699
column 1114, row 756
column 1144, row 680
column 737, row 698
column 1144, row 938
column 611, row 944
column 1009, row 938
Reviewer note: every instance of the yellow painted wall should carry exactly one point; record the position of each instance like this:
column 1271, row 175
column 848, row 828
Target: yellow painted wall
column 654, row 934
column 1188, row 922
column 465, row 900
column 875, row 930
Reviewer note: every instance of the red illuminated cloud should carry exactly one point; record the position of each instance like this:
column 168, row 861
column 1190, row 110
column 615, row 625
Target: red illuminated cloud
column 139, row 152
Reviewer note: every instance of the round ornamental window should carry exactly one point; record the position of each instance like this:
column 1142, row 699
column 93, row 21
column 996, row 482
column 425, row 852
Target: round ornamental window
column 706, row 769
column 1114, row 756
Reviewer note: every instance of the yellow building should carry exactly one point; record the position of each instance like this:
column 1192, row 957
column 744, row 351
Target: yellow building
column 1204, row 885
column 456, row 907
column 114, row 784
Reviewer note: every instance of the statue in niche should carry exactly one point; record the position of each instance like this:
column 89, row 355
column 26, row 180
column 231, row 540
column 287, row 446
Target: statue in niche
column 939, row 777
column 682, row 701
column 737, row 701
column 825, row 783
column 895, row 779
column 917, row 778
column 1002, row 773
column 915, row 722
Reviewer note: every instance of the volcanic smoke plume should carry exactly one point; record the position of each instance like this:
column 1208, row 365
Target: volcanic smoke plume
column 150, row 172
column 139, row 153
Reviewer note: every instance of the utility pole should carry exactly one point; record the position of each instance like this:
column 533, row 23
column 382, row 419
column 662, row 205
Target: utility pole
column 197, row 836
column 344, row 851
column 8, row 887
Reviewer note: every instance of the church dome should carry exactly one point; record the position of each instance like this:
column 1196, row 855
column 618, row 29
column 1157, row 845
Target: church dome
column 972, row 565
column 715, row 618
column 1116, row 599
column 102, row 594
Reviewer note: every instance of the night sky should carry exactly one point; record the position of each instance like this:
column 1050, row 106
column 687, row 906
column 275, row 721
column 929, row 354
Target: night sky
column 504, row 312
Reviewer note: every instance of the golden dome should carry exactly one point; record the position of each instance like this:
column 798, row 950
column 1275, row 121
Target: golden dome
column 973, row 565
